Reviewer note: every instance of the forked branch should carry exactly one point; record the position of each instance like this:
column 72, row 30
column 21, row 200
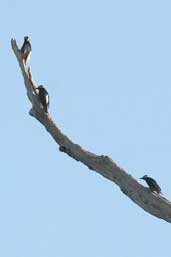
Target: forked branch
column 104, row 165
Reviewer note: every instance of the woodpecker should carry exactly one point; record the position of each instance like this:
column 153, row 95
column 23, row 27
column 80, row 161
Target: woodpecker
column 26, row 50
column 43, row 97
column 154, row 187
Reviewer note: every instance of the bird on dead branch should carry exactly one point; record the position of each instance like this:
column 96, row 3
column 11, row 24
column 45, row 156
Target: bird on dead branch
column 43, row 97
column 154, row 187
column 26, row 49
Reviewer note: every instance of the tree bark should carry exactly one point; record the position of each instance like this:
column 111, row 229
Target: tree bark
column 151, row 202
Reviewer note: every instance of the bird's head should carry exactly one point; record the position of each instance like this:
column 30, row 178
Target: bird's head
column 40, row 87
column 27, row 39
column 144, row 177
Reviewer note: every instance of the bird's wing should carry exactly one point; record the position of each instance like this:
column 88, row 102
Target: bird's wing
column 155, row 184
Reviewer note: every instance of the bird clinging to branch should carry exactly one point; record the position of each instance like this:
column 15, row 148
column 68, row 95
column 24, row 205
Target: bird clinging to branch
column 154, row 187
column 26, row 50
column 43, row 97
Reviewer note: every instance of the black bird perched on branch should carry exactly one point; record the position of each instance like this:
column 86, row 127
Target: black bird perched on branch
column 154, row 187
column 43, row 97
column 26, row 49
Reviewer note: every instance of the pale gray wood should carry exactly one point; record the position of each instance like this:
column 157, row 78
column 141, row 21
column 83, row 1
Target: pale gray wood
column 152, row 203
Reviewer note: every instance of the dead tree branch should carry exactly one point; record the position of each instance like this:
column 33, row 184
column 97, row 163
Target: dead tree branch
column 104, row 165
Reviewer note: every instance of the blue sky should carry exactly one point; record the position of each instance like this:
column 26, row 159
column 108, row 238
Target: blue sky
column 106, row 65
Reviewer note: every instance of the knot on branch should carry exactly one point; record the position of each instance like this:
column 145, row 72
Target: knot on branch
column 63, row 148
column 68, row 151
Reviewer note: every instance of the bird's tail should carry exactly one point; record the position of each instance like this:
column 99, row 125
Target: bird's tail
column 46, row 109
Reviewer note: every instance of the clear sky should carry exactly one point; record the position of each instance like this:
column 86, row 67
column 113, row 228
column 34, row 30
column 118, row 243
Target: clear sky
column 107, row 66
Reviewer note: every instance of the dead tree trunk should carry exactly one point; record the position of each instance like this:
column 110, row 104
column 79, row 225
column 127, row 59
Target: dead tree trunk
column 104, row 165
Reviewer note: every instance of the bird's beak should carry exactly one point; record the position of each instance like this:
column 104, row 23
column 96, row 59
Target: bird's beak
column 140, row 178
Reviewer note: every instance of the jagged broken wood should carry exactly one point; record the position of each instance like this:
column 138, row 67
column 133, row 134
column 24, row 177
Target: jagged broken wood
column 104, row 165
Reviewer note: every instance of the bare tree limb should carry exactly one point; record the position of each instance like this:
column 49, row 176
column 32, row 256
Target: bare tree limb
column 104, row 165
